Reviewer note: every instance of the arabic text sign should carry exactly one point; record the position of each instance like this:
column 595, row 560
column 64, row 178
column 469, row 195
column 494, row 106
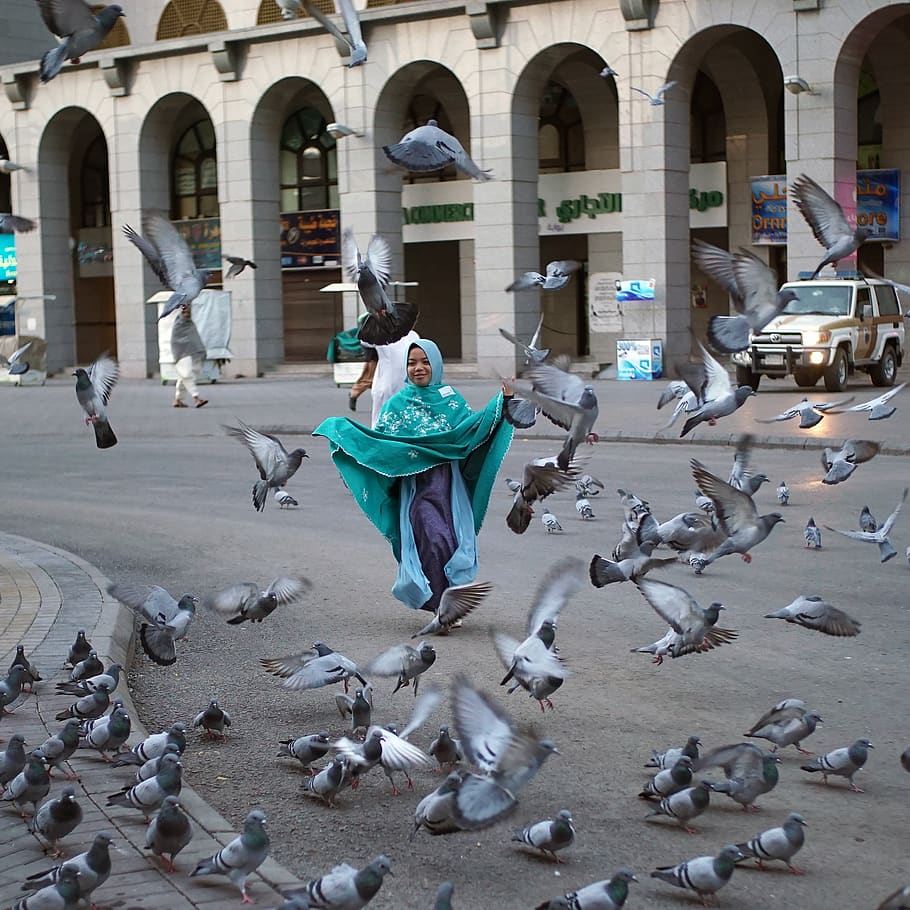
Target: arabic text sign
column 769, row 209
column 7, row 257
column 310, row 239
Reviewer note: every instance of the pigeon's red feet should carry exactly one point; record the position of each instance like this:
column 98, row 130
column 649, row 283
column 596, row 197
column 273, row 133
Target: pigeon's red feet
column 395, row 791
column 752, row 808
column 856, row 789
column 804, row 751
column 712, row 421
column 747, row 557
column 658, row 660
column 795, row 870
column 690, row 830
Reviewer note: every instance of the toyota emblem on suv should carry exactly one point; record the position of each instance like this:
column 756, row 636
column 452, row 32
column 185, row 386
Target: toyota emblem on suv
column 775, row 337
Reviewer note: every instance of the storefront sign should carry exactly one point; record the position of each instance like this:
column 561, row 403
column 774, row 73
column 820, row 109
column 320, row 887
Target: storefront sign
column 604, row 310
column 203, row 235
column 310, row 239
column 437, row 214
column 769, row 210
column 7, row 257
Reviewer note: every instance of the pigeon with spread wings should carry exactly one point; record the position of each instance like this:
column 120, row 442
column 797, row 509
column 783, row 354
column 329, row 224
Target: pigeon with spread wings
column 713, row 389
column 352, row 36
column 880, row 535
column 166, row 620
column 93, row 392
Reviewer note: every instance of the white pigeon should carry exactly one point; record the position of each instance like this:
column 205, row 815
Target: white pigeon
column 550, row 521
column 783, row 493
column 429, row 148
column 810, row 413
column 842, row 463
column 557, row 277
column 7, row 166
column 880, row 535
column 352, row 36
column 658, row 97
column 290, row 9
column 878, row 408
column 284, row 499
column 14, row 364
column 713, row 390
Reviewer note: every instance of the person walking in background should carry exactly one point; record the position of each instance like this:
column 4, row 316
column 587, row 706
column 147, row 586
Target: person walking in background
column 188, row 351
column 365, row 380
column 391, row 370
column 424, row 475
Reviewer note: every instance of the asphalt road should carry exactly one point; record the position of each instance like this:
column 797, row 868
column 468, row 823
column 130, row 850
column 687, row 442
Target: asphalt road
column 170, row 506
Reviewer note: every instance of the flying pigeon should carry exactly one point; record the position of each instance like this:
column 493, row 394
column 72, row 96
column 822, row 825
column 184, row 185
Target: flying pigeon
column 242, row 856
column 741, row 478
column 169, row 832
column 557, row 277
column 405, row 662
column 456, row 602
column 387, row 321
column 246, row 601
column 79, row 29
column 813, row 534
column 736, row 515
column 753, row 287
column 290, row 9
column 843, row 762
column 238, row 265
column 548, row 836
column 684, row 805
column 345, row 888
column 783, row 494
column 713, row 390
column 7, row 166
column 351, row 36
column 812, row 612
column 842, row 463
column 878, row 408
column 686, row 400
column 635, row 566
column 10, row 223
column 781, row 843
column 607, row 71
column 810, row 413
column 898, row 900
column 537, row 482
column 880, row 535
column 429, row 148
column 789, row 733
column 749, row 771
column 14, row 364
column 275, row 464
column 658, row 97
column 93, row 392
column 606, row 895
column 170, row 259
column 827, row 220
column 166, row 621
column 213, row 721
column 313, row 669
column 531, row 352
column 705, row 875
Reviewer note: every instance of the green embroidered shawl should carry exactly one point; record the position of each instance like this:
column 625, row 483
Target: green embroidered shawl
column 417, row 429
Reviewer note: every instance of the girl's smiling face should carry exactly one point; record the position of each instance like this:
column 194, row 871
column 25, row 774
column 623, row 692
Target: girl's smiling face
column 419, row 370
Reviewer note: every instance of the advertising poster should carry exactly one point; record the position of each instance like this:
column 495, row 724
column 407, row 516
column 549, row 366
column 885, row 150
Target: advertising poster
column 310, row 239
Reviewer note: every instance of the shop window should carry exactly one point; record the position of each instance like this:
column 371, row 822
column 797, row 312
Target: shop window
column 560, row 131
column 308, row 164
column 95, row 186
column 194, row 175
column 707, row 123
column 868, row 119
column 269, row 11
column 118, row 36
column 191, row 17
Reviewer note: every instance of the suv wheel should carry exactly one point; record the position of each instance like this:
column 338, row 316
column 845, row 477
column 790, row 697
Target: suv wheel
column 745, row 376
column 806, row 379
column 884, row 372
column 836, row 374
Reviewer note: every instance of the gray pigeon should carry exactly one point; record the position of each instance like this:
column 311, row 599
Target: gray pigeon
column 813, row 534
column 781, row 843
column 880, row 535
column 905, row 759
column 811, row 612
column 290, row 9
column 79, row 649
column 827, row 220
column 657, row 98
column 313, row 669
column 153, row 746
column 10, row 223
column 284, row 499
column 11, row 695
column 753, row 288
column 741, row 478
column 783, row 493
column 714, row 391
column 330, row 781
column 238, row 265
column 13, row 759
column 242, row 856
column 556, row 277
column 213, row 720
column 606, row 895
column 668, row 758
column 428, row 148
column 346, row 888
column 550, row 522
column 109, row 736
column 842, row 463
column 148, row 795
column 736, row 514
column 436, row 812
column 93, row 392
column 636, row 565
column 457, row 601
column 275, row 464
column 87, row 667
column 537, row 482
column 359, row 708
column 867, row 521
column 56, row 818
column 306, row 749
column 170, row 259
column 507, row 758
column 444, row 896
column 878, row 408
column 548, row 836
column 387, row 321
column 89, row 706
column 669, row 781
column 568, row 402
column 810, row 413
column 445, row 749
column 405, row 662
column 30, row 785
column 79, row 29
column 151, row 767
column 531, row 352
column 351, row 36
column 86, row 686
column 844, row 762
column 783, row 711
column 7, row 166
column 686, row 400
column 167, row 621
column 15, row 364
column 583, row 507
column 750, row 773
column 63, row 894
column 705, row 875
column 790, row 733
column 169, row 832
column 684, row 805
column 245, row 601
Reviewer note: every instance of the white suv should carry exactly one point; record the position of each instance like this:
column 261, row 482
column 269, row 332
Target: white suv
column 834, row 327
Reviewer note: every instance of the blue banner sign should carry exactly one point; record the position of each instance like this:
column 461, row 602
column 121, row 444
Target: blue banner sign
column 7, row 257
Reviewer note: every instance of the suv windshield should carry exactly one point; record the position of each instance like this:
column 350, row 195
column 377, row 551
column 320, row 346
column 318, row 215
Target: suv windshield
column 819, row 300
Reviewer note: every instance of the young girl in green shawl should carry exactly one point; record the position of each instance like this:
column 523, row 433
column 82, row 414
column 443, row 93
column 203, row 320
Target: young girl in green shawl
column 424, row 475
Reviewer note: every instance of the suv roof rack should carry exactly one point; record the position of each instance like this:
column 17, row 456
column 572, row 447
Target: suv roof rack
column 842, row 275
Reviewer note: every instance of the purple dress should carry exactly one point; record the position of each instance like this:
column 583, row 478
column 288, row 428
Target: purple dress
column 434, row 533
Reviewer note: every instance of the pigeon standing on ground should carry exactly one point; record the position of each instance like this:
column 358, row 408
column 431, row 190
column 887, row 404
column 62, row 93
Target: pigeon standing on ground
column 843, row 762
column 154, row 746
column 345, row 888
column 867, row 521
column 56, row 818
column 606, row 895
column 245, row 601
column 811, row 612
column 351, row 36
column 668, row 758
column 781, row 843
column 557, row 277
column 537, row 482
column 87, row 668
column 330, row 781
column 405, row 662
column 89, row 706
column 436, row 811
column 167, row 621
column 428, row 148
column 583, row 507
column 93, row 392
column 15, row 364
column 111, row 676
column 110, row 736
column 753, row 288
column 63, row 894
column 169, row 832
column 306, row 749
column 669, row 781
column 783, row 494
column 284, row 499
column 31, row 675
column 827, row 220
column 148, row 795
column 170, row 258
column 788, row 733
column 813, row 534
column 713, row 390
column 445, row 749
column 238, row 264
column 879, row 535
column 275, row 464
column 242, row 856
column 30, row 785
column 548, row 836
column 684, row 805
column 842, row 463
column 213, row 721
column 705, row 875
column 13, row 758
column 550, row 522
column 79, row 649
column 750, row 773
column 810, row 413
column 359, row 708
column 79, row 29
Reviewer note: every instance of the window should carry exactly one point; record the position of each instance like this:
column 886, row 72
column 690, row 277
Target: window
column 309, row 163
column 194, row 175
column 863, row 298
column 887, row 301
column 423, row 108
column 95, row 186
column 191, row 17
column 707, row 123
column 560, row 133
